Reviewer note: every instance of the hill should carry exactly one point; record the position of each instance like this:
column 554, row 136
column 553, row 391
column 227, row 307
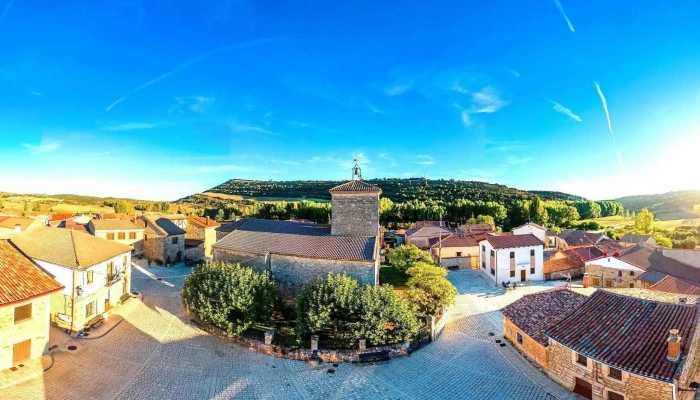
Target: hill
column 398, row 190
column 665, row 206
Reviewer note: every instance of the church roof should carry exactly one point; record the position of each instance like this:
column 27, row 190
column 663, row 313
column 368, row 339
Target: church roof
column 356, row 186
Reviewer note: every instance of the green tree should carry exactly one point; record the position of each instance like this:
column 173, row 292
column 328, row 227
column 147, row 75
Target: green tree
column 538, row 213
column 663, row 241
column 229, row 296
column 403, row 257
column 482, row 219
column 25, row 209
column 122, row 207
column 644, row 222
column 428, row 288
column 164, row 207
column 696, row 208
column 37, row 207
column 219, row 215
column 385, row 317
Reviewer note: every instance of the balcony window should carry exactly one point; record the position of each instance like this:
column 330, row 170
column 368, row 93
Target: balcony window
column 23, row 313
column 512, row 255
column 89, row 309
column 110, row 271
column 532, row 253
column 90, row 277
column 493, row 271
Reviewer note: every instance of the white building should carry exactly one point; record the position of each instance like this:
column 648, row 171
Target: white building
column 95, row 272
column 514, row 258
column 540, row 232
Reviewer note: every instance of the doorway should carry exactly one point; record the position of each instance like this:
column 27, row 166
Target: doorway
column 522, row 275
column 583, row 388
column 21, row 352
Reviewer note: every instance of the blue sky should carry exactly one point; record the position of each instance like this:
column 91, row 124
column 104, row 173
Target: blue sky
column 158, row 100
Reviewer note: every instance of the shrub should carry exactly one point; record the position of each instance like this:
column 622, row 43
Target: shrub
column 385, row 317
column 403, row 257
column 229, row 296
column 149, row 262
column 159, row 262
column 428, row 289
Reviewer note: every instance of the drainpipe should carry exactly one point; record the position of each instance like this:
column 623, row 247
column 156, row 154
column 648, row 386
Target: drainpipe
column 496, row 266
column 72, row 308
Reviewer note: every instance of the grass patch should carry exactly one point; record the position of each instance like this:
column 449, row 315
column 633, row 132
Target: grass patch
column 619, row 222
column 390, row 275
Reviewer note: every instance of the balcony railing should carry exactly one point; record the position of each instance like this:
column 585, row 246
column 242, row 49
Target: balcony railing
column 113, row 278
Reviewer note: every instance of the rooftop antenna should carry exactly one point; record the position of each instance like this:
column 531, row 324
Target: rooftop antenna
column 356, row 170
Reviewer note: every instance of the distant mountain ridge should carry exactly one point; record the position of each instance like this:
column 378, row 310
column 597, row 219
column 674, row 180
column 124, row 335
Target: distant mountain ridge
column 396, row 189
column 677, row 204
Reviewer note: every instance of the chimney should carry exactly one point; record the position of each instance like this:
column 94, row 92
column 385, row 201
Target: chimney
column 674, row 346
column 682, row 301
column 18, row 228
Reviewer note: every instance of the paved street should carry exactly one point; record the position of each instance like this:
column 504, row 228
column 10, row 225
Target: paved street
column 156, row 353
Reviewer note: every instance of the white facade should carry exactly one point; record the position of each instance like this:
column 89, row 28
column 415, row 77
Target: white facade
column 612, row 262
column 533, row 229
column 498, row 268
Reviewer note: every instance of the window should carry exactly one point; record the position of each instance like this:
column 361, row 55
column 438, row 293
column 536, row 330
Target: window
column 532, row 270
column 483, row 264
column 631, row 285
column 90, row 277
column 125, row 260
column 595, row 281
column 608, row 283
column 121, row 235
column 493, row 254
column 519, row 338
column 493, row 271
column 459, row 254
column 512, row 273
column 615, row 396
column 631, row 273
column 110, row 236
column 89, row 309
column 23, row 313
column 483, row 248
column 619, row 273
column 175, row 240
column 532, row 253
column 582, row 360
column 132, row 235
column 110, row 271
column 615, row 373
column 512, row 255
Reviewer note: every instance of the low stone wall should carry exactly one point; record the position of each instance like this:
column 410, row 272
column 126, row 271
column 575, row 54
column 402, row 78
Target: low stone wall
column 326, row 355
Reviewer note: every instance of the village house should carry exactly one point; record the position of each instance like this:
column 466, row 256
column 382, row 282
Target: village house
column 95, row 273
column 572, row 238
column 563, row 266
column 25, row 292
column 538, row 231
column 624, row 348
column 203, row 231
column 476, row 229
column 122, row 231
column 11, row 225
column 296, row 253
column 178, row 219
column 456, row 250
column 163, row 240
column 516, row 258
column 646, row 240
column 420, row 233
column 226, row 227
column 525, row 320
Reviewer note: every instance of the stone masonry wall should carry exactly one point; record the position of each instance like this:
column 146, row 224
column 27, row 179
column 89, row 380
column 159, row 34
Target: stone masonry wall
column 171, row 250
column 295, row 272
column 355, row 214
column 154, row 247
column 565, row 370
column 610, row 276
column 255, row 261
column 35, row 329
column 208, row 235
column 531, row 349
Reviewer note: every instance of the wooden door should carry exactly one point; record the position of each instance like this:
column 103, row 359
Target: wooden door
column 522, row 275
column 583, row 388
column 21, row 352
column 474, row 261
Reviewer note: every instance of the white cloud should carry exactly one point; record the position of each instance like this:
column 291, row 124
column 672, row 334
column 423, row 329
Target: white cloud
column 605, row 107
column 385, row 156
column 425, row 160
column 563, row 14
column 398, row 89
column 7, row 8
column 465, row 118
column 252, row 128
column 619, row 159
column 46, row 146
column 129, row 127
column 513, row 72
column 561, row 109
column 505, row 146
column 488, row 100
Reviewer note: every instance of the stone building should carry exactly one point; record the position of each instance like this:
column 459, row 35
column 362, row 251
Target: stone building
column 122, row 231
column 625, row 348
column 421, row 233
column 202, row 229
column 296, row 253
column 456, row 250
column 25, row 292
column 163, row 240
column 525, row 320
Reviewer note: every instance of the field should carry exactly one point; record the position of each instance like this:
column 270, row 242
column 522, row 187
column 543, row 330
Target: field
column 669, row 224
column 236, row 197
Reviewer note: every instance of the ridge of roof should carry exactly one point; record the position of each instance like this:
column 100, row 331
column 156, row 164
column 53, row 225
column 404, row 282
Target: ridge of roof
column 355, row 186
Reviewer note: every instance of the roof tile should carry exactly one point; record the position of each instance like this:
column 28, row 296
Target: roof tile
column 20, row 278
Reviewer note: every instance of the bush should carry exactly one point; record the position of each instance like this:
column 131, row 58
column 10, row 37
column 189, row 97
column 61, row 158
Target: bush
column 149, row 262
column 159, row 263
column 428, row 289
column 403, row 257
column 229, row 296
column 385, row 317
column 663, row 241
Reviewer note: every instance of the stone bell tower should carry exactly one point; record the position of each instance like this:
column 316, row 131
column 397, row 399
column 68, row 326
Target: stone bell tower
column 355, row 207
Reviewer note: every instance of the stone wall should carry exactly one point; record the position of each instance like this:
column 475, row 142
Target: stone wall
column 153, row 246
column 459, row 262
column 161, row 247
column 565, row 370
column 610, row 277
column 531, row 349
column 35, row 329
column 691, row 367
column 208, row 235
column 292, row 273
column 355, row 214
column 195, row 253
column 575, row 273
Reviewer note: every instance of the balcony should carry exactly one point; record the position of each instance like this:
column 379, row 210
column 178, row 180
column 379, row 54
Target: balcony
column 113, row 278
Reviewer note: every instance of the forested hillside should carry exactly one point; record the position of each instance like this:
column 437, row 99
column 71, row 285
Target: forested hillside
column 671, row 205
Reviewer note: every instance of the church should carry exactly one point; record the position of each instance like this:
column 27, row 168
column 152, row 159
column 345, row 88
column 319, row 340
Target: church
column 296, row 253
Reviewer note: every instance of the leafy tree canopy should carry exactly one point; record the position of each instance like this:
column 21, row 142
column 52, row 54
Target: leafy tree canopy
column 403, row 257
column 644, row 222
column 428, row 288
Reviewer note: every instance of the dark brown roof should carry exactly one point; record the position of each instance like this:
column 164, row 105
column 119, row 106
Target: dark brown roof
column 675, row 285
column 579, row 238
column 561, row 264
column 163, row 226
column 475, row 228
column 356, row 186
column 536, row 312
column 230, row 226
column 610, row 246
column 531, row 224
column 647, row 259
column 626, row 333
column 652, row 277
column 630, row 238
column 204, row 222
column 456, row 240
column 423, row 224
column 513, row 241
column 260, row 236
column 67, row 247
column 20, row 278
column 586, row 253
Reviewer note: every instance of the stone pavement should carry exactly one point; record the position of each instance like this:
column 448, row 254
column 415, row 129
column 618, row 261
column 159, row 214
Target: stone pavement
column 156, row 353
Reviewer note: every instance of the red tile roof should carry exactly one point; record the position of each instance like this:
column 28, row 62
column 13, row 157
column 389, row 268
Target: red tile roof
column 203, row 222
column 355, row 186
column 531, row 224
column 456, row 240
column 424, row 224
column 536, row 312
column 650, row 260
column 60, row 217
column 513, row 241
column 20, row 278
column 627, row 333
column 561, row 264
column 675, row 285
column 11, row 222
column 475, row 228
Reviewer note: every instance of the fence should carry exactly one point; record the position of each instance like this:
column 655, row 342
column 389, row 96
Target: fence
column 437, row 324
